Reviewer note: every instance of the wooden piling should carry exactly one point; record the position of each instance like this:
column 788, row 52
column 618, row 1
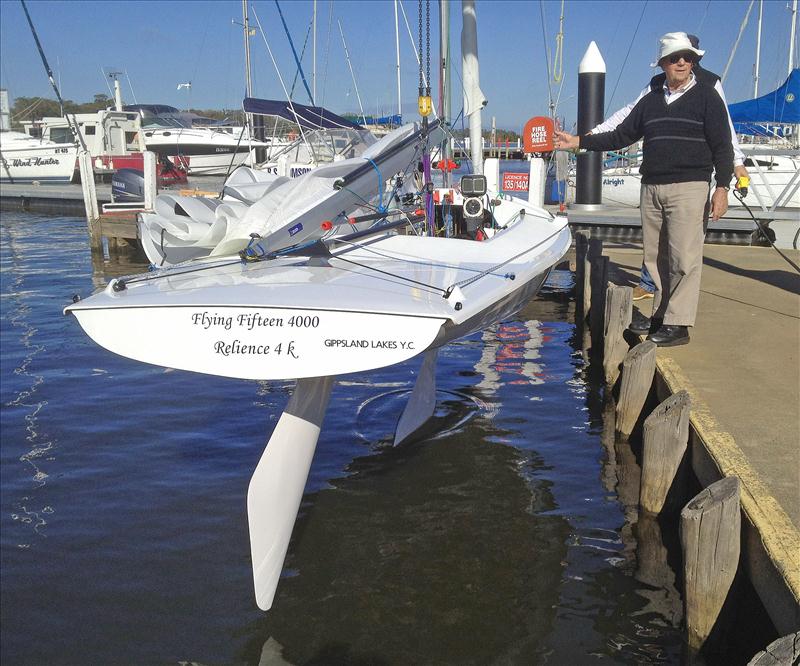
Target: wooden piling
column 90, row 200
column 597, row 311
column 710, row 542
column 594, row 250
column 618, row 313
column 638, row 370
column 783, row 651
column 581, row 251
column 666, row 437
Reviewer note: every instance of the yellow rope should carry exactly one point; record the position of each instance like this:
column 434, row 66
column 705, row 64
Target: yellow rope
column 558, row 58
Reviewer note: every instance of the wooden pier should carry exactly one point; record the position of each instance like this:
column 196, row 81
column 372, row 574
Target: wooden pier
column 729, row 415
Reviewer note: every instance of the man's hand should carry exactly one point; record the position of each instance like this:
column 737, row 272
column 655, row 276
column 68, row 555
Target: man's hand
column 565, row 141
column 719, row 203
column 740, row 171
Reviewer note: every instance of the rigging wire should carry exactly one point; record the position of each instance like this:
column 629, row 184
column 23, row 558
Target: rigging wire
column 547, row 58
column 703, row 20
column 736, row 43
column 280, row 78
column 302, row 55
column 294, row 53
column 627, row 53
column 352, row 73
column 327, row 52
column 74, row 124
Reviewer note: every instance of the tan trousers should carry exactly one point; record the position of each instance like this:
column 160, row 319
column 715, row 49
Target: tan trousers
column 673, row 232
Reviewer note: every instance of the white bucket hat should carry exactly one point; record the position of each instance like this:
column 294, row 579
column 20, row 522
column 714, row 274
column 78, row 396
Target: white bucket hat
column 675, row 42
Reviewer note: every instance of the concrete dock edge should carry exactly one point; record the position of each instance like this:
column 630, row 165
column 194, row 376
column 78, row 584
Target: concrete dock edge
column 770, row 541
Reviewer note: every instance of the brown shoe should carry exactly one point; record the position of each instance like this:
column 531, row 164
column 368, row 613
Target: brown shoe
column 640, row 293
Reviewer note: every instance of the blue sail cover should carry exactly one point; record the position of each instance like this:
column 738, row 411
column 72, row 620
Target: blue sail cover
column 760, row 115
column 394, row 120
column 308, row 117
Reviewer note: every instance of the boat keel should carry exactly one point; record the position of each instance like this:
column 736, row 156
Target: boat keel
column 422, row 403
column 276, row 487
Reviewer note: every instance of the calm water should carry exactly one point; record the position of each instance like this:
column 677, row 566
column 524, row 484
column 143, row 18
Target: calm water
column 501, row 537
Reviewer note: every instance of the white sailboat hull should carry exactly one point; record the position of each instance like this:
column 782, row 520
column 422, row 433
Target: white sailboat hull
column 24, row 159
column 360, row 308
column 773, row 182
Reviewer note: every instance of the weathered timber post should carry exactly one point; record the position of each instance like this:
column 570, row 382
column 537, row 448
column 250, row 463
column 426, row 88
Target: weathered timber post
column 597, row 311
column 595, row 250
column 581, row 251
column 619, row 310
column 90, row 200
column 710, row 541
column 785, row 650
column 638, row 370
column 666, row 436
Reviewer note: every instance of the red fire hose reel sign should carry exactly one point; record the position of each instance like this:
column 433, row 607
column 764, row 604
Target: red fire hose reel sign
column 537, row 136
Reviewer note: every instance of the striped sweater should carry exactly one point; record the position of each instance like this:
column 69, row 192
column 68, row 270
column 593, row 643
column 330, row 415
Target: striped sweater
column 683, row 141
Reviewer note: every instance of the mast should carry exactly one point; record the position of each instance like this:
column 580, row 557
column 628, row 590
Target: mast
column 758, row 48
column 792, row 37
column 444, row 86
column 397, row 52
column 247, row 79
column 474, row 99
column 314, row 54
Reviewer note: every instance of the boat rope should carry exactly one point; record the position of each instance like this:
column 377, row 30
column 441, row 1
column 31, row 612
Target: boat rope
column 412, row 262
column 381, row 207
column 764, row 233
column 491, row 270
column 394, row 276
column 248, row 256
column 558, row 56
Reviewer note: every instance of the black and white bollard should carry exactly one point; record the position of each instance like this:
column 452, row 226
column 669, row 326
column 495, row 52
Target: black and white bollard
column 591, row 96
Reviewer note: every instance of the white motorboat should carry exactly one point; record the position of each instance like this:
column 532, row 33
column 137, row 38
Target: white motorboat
column 26, row 159
column 281, row 210
column 774, row 180
column 336, row 306
column 210, row 151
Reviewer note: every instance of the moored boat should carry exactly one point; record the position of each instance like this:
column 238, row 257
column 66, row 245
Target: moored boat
column 25, row 159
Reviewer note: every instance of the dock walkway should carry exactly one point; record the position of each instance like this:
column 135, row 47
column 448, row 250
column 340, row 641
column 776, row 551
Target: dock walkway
column 742, row 370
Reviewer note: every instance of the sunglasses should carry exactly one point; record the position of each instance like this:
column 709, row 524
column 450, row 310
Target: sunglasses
column 675, row 57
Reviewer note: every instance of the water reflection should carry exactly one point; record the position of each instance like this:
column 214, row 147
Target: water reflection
column 434, row 541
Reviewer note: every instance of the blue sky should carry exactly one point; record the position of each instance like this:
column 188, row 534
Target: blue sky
column 161, row 43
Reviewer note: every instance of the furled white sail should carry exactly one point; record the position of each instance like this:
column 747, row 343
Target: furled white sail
column 279, row 211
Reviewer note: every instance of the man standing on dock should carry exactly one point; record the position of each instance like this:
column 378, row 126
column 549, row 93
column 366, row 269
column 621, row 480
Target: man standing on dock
column 646, row 286
column 686, row 136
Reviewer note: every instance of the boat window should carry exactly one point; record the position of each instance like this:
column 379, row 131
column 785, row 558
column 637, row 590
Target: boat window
column 130, row 140
column 61, row 135
column 90, row 130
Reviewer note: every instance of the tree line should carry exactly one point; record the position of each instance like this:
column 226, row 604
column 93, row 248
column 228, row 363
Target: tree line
column 27, row 109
